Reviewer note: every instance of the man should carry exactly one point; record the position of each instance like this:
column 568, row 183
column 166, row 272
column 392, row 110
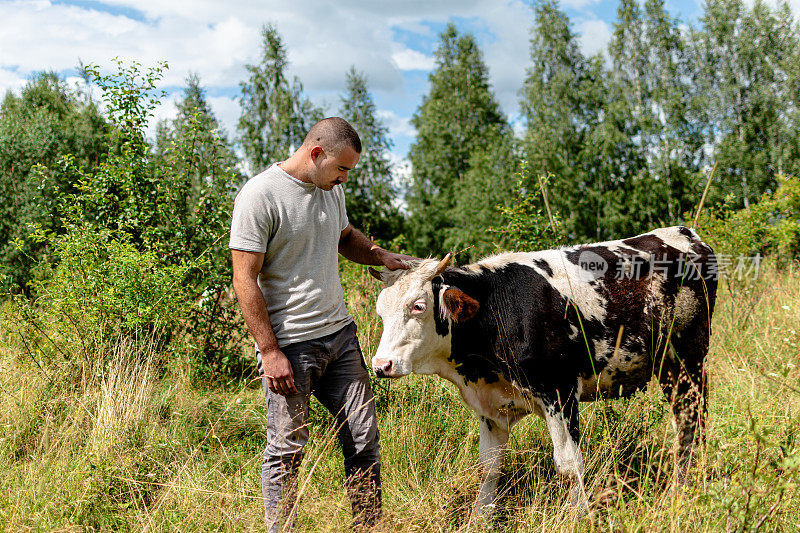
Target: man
column 288, row 224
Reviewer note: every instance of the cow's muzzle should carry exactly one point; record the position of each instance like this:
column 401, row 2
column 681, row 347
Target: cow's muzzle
column 383, row 368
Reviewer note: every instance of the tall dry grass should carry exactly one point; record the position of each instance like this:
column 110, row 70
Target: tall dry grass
column 141, row 448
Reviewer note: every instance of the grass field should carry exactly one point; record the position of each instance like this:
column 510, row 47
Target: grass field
column 136, row 445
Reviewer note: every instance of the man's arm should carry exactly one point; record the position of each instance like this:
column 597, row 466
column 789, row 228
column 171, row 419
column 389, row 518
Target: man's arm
column 356, row 247
column 277, row 369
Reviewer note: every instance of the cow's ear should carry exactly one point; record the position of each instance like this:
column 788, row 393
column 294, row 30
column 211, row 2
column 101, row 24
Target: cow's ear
column 375, row 274
column 460, row 305
column 387, row 276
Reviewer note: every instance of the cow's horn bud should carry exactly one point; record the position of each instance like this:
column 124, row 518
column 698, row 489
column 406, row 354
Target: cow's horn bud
column 442, row 265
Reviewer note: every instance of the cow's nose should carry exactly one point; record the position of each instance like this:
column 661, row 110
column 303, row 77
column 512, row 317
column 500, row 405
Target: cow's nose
column 382, row 369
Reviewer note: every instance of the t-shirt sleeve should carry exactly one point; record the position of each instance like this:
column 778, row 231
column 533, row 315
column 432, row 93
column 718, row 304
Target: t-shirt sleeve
column 252, row 220
column 343, row 220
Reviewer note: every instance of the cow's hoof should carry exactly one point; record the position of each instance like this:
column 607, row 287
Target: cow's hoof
column 577, row 501
column 481, row 518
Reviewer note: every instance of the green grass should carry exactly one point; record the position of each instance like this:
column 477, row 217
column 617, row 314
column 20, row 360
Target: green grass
column 139, row 446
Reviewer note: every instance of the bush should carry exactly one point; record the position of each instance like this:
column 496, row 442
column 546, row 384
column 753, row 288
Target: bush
column 531, row 225
column 769, row 227
column 146, row 241
column 103, row 291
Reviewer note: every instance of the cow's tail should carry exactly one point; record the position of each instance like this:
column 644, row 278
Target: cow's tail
column 705, row 260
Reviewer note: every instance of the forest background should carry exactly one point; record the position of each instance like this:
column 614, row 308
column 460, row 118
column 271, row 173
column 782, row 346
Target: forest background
column 127, row 369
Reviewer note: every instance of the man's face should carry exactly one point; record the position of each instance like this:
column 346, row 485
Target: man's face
column 332, row 169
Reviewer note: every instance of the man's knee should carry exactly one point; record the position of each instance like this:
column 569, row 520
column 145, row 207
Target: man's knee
column 361, row 448
column 358, row 431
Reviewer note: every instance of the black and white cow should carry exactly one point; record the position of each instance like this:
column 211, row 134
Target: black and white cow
column 537, row 332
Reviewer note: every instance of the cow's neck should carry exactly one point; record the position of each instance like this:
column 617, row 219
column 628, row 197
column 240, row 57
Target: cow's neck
column 501, row 400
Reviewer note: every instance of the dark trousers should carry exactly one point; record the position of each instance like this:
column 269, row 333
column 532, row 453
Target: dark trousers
column 333, row 370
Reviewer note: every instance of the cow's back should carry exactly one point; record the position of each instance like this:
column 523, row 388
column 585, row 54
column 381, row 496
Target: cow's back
column 550, row 317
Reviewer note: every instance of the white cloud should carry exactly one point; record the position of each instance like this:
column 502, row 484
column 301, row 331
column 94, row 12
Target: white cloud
column 412, row 60
column 41, row 35
column 397, row 125
column 10, row 81
column 508, row 55
column 401, row 177
column 518, row 125
column 166, row 110
column 594, row 36
column 227, row 111
column 577, row 4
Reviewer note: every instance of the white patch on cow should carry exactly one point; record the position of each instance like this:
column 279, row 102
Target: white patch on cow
column 566, row 452
column 624, row 251
column 620, row 363
column 573, row 332
column 496, row 262
column 602, row 349
column 568, row 280
column 592, row 266
column 654, row 301
column 501, row 401
column 443, row 314
column 673, row 237
column 491, row 449
column 410, row 343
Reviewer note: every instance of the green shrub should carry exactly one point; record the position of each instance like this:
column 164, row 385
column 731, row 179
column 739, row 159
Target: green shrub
column 101, row 291
column 530, row 224
column 769, row 227
column 143, row 238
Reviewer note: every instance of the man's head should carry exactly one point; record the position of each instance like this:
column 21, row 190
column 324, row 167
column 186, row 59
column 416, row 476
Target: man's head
column 332, row 148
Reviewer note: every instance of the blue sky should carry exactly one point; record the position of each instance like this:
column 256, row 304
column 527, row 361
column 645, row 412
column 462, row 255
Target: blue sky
column 391, row 42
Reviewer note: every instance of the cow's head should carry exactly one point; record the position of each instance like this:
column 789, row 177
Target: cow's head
column 411, row 340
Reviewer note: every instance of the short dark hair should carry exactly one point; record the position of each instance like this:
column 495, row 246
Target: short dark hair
column 333, row 134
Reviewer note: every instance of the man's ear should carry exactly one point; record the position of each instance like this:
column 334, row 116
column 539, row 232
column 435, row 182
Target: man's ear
column 460, row 306
column 315, row 152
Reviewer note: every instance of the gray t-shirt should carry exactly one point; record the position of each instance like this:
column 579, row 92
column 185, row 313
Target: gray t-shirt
column 297, row 226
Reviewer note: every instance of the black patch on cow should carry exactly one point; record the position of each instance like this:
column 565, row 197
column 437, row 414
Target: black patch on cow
column 544, row 265
column 646, row 243
column 442, row 326
column 520, row 330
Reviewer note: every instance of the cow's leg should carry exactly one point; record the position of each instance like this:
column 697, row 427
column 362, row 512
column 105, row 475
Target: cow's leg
column 684, row 383
column 491, row 449
column 561, row 416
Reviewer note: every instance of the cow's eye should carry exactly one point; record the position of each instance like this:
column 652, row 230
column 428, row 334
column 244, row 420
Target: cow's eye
column 418, row 307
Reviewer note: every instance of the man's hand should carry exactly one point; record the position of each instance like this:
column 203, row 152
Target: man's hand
column 394, row 261
column 278, row 371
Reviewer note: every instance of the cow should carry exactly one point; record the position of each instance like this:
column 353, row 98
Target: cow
column 537, row 332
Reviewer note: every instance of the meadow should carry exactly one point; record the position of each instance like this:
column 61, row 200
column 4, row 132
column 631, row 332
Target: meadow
column 129, row 441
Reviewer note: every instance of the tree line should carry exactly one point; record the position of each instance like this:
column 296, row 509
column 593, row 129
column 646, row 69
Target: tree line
column 624, row 139
column 619, row 142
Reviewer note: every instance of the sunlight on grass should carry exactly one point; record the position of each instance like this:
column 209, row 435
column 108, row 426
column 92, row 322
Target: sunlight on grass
column 134, row 445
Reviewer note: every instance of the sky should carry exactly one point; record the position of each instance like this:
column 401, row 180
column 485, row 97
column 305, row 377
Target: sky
column 392, row 42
